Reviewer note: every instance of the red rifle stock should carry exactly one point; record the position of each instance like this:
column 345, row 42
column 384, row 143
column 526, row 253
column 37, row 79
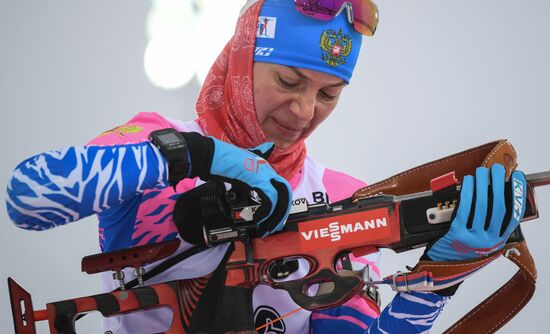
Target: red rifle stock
column 307, row 235
column 396, row 220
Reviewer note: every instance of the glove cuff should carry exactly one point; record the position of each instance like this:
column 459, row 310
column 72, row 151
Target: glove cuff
column 201, row 151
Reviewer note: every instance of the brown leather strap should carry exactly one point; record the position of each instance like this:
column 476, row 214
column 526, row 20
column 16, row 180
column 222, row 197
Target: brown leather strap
column 506, row 302
column 495, row 311
column 440, row 269
column 463, row 163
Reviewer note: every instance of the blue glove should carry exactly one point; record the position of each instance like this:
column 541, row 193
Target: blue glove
column 485, row 219
column 213, row 159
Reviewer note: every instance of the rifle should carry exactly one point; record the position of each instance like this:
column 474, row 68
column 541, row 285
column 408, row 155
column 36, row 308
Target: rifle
column 320, row 234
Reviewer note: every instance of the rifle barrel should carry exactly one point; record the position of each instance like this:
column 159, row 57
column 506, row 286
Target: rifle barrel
column 538, row 179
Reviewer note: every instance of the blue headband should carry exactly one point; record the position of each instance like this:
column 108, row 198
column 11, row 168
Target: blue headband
column 287, row 37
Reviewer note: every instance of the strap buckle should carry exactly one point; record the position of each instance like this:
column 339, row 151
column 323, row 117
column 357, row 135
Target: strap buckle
column 373, row 294
column 512, row 251
column 394, row 285
column 370, row 289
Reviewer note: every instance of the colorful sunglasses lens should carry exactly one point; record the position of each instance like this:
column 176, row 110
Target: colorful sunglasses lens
column 365, row 12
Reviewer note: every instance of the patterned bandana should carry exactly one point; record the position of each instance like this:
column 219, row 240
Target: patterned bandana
column 225, row 105
column 287, row 37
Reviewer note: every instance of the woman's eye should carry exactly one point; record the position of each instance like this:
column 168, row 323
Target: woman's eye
column 287, row 84
column 324, row 95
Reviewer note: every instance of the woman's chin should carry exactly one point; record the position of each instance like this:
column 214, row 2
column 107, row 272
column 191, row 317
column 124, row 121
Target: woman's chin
column 283, row 140
column 284, row 144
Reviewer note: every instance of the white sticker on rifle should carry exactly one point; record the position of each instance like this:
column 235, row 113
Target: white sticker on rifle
column 298, row 205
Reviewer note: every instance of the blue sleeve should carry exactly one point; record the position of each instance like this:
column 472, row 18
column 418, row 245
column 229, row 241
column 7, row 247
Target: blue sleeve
column 409, row 312
column 353, row 317
column 62, row 186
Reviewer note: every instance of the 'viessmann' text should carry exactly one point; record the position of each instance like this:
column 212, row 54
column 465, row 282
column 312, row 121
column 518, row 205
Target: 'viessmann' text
column 334, row 230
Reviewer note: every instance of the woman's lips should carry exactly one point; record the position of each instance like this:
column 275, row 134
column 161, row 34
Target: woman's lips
column 286, row 129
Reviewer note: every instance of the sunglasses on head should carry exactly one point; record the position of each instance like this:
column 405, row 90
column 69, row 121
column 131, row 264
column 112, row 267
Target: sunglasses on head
column 363, row 14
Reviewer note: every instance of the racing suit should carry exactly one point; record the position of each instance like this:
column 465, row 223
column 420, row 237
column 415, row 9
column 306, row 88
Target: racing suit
column 122, row 178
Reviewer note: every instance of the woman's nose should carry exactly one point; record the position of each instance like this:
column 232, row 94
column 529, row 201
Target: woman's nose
column 303, row 107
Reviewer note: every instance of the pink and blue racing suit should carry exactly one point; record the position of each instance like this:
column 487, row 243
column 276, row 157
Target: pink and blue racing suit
column 122, row 178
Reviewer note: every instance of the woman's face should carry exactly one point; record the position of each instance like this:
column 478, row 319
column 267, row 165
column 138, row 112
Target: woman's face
column 291, row 102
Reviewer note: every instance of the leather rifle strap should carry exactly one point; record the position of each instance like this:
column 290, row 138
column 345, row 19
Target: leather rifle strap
column 506, row 302
column 500, row 307
column 496, row 310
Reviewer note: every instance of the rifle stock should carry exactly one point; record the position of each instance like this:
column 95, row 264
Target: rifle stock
column 324, row 233
column 320, row 235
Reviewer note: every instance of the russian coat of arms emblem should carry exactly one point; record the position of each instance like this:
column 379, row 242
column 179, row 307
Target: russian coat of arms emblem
column 335, row 46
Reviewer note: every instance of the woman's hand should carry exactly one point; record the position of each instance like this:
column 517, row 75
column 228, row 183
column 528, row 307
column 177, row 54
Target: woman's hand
column 486, row 215
column 213, row 159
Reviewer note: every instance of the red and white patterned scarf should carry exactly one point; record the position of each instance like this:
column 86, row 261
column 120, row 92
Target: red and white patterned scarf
column 225, row 105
